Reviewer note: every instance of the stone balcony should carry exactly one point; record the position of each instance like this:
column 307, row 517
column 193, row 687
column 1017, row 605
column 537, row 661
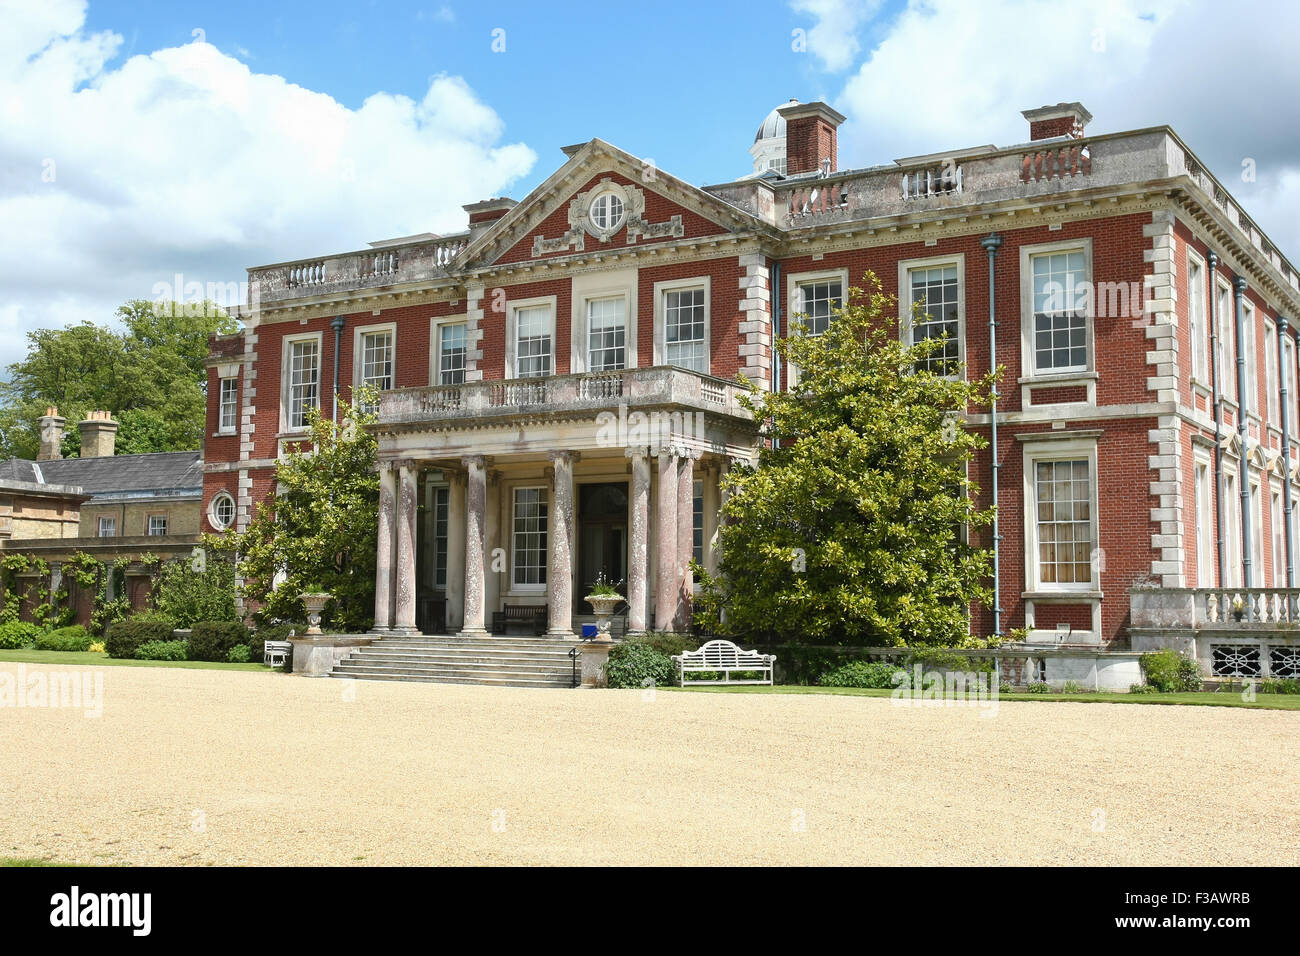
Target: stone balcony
column 419, row 261
column 661, row 388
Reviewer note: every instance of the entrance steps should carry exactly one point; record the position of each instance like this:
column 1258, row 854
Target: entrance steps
column 504, row 661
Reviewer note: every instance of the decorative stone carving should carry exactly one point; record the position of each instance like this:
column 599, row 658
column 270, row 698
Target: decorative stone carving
column 581, row 224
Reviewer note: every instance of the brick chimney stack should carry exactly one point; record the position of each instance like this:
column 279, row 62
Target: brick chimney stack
column 51, row 435
column 810, row 132
column 98, row 435
column 1063, row 119
column 483, row 214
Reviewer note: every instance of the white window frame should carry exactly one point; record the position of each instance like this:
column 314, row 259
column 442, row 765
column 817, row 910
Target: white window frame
column 1197, row 322
column 436, row 327
column 286, row 361
column 149, row 526
column 1289, row 376
column 795, row 282
column 608, row 195
column 602, row 285
column 1028, row 370
column 661, row 290
column 513, row 308
column 1256, row 527
column 1271, row 397
column 222, row 427
column 108, row 522
column 1276, row 526
column 1232, row 520
column 358, row 351
column 905, row 269
column 545, row 498
column 1251, row 403
column 212, row 510
column 1227, row 316
column 1065, row 449
column 1203, row 492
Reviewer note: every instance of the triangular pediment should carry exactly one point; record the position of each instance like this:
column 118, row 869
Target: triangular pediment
column 555, row 219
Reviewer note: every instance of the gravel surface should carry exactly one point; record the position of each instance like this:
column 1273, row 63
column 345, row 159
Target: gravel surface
column 217, row 767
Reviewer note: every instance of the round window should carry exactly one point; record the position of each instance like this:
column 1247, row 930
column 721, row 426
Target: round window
column 222, row 512
column 607, row 211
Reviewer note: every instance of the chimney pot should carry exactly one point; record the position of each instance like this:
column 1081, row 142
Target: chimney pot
column 1063, row 119
column 98, row 435
column 810, row 138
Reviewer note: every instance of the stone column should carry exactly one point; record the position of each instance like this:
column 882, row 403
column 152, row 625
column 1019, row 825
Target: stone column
column 638, row 542
column 712, row 505
column 666, row 540
column 475, row 542
column 407, row 512
column 384, row 547
column 685, row 535
column 494, row 575
column 559, row 534
column 455, row 551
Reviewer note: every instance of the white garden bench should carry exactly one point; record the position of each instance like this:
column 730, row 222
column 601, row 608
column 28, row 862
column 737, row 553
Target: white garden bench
column 724, row 657
column 275, row 653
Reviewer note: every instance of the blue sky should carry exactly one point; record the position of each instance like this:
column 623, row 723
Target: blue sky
column 134, row 149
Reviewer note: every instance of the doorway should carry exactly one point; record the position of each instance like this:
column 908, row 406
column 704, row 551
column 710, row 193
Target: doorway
column 602, row 537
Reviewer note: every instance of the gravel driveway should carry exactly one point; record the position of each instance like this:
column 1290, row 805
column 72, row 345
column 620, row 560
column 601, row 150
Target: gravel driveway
column 201, row 767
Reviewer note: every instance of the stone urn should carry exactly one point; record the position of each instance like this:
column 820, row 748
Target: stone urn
column 314, row 602
column 603, row 606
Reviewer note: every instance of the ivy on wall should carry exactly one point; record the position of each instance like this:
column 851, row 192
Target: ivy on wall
column 52, row 609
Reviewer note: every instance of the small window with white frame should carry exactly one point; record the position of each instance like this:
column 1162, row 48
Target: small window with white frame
column 302, row 374
column 607, row 211
column 107, row 526
column 1227, row 342
column 1196, row 323
column 222, row 511
column 684, row 343
column 1251, row 402
column 1060, row 300
column 451, row 353
column 529, row 528
column 606, row 333
column 157, row 525
column 933, row 309
column 1270, row 374
column 534, row 339
column 228, row 405
column 376, row 348
column 818, row 301
column 1061, row 507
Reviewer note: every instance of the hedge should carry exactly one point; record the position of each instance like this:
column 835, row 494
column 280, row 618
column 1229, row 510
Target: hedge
column 16, row 634
column 162, row 651
column 213, row 640
column 74, row 638
column 125, row 637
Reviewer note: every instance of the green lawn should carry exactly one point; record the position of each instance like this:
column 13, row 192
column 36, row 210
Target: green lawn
column 1221, row 699
column 29, row 656
column 25, row 861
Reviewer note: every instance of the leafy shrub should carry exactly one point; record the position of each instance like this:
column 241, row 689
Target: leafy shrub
column 634, row 664
column 668, row 643
column 187, row 595
column 74, row 638
column 1039, row 687
column 240, row 654
column 1004, row 687
column 16, row 634
column 878, row 674
column 213, row 640
column 96, row 647
column 161, row 651
column 125, row 637
column 1280, row 685
column 1169, row 672
column 1072, row 687
column 1142, row 689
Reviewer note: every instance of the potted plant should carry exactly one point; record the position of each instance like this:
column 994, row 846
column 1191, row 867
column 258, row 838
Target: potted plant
column 603, row 598
column 314, row 601
column 1238, row 607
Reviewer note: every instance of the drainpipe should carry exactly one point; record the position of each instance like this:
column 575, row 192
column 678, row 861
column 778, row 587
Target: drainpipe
column 1217, row 397
column 776, row 324
column 1247, row 566
column 337, row 325
column 1286, row 449
column 991, row 243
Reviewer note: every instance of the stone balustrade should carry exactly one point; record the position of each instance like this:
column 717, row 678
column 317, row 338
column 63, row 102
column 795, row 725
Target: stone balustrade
column 1266, row 608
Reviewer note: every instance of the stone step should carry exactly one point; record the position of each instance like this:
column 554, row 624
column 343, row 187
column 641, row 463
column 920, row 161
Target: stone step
column 460, row 667
column 448, row 660
column 452, row 679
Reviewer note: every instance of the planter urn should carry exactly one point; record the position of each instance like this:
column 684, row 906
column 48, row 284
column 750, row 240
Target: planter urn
column 603, row 606
column 314, row 602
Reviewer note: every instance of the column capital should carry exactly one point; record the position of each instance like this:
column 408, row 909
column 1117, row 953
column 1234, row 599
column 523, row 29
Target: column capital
column 567, row 457
column 637, row 451
column 476, row 461
column 386, row 464
column 494, row 476
column 405, row 464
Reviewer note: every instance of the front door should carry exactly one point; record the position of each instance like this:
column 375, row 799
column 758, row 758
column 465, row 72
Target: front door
column 602, row 529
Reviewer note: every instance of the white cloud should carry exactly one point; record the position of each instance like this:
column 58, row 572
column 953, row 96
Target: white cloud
column 184, row 160
column 949, row 73
column 833, row 38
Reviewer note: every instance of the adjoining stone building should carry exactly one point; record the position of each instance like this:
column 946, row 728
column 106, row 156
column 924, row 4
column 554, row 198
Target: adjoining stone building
column 1143, row 435
column 108, row 506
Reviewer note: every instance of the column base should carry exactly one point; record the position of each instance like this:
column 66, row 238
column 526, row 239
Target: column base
column 380, row 631
column 404, row 631
column 473, row 632
column 563, row 633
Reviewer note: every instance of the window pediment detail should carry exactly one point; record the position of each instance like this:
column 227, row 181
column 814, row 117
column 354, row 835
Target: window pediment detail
column 582, row 223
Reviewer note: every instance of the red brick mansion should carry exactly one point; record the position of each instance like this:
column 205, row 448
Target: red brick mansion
column 559, row 395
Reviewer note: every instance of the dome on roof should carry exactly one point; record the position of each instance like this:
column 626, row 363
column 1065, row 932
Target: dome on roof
column 773, row 125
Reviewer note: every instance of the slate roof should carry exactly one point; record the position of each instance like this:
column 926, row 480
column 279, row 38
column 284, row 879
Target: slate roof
column 178, row 473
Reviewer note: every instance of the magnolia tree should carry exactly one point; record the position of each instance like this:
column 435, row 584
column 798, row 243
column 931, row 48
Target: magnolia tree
column 317, row 530
column 852, row 526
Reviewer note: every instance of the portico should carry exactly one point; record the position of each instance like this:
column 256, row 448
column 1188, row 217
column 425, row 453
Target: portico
column 523, row 492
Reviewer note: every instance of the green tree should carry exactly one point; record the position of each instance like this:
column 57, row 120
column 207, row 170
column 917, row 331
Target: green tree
column 190, row 590
column 150, row 374
column 849, row 527
column 318, row 530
